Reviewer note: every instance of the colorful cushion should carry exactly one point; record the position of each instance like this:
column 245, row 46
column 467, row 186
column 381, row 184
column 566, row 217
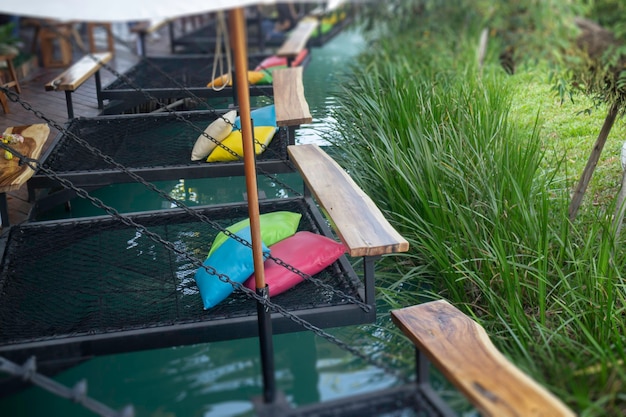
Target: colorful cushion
column 275, row 226
column 277, row 61
column 274, row 68
column 263, row 135
column 267, row 78
column 307, row 252
column 263, row 116
column 233, row 259
column 253, row 78
column 218, row 130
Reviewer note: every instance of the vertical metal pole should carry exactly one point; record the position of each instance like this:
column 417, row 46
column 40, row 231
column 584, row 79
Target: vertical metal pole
column 99, row 90
column 240, row 48
column 68, row 103
column 264, row 319
column 369, row 264
column 4, row 210
column 422, row 368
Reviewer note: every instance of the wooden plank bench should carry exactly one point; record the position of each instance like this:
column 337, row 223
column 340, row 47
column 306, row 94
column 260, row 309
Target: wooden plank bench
column 358, row 222
column 292, row 108
column 72, row 78
column 461, row 349
column 297, row 39
column 13, row 174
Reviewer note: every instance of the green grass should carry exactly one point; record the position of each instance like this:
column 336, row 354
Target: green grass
column 474, row 168
column 569, row 131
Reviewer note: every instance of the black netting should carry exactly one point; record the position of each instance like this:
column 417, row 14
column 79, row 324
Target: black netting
column 139, row 141
column 203, row 39
column 164, row 73
column 96, row 275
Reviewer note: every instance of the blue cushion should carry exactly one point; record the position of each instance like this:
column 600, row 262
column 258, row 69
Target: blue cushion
column 263, row 116
column 233, row 259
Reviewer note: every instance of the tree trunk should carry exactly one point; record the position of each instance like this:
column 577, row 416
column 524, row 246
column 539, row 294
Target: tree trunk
column 593, row 161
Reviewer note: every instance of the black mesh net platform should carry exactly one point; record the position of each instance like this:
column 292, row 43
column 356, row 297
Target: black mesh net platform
column 203, row 40
column 170, row 78
column 95, row 286
column 157, row 147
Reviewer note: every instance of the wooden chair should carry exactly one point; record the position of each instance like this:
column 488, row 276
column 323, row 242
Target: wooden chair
column 91, row 28
column 55, row 38
column 12, row 82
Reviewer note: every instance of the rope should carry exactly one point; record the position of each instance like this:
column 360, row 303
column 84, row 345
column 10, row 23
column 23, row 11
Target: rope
column 165, row 106
column 222, row 31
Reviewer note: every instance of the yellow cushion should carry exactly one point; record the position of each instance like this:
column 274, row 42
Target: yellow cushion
column 262, row 135
column 219, row 130
column 253, row 78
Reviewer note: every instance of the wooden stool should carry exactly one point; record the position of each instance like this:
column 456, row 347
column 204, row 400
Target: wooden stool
column 91, row 26
column 13, row 81
column 51, row 35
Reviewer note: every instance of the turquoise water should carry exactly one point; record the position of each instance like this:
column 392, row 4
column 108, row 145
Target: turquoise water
column 218, row 379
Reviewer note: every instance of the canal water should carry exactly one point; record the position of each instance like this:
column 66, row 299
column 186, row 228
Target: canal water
column 218, row 379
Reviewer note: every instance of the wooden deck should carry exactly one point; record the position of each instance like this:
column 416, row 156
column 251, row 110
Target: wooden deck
column 52, row 103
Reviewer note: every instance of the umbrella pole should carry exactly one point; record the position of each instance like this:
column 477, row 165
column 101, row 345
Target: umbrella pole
column 240, row 52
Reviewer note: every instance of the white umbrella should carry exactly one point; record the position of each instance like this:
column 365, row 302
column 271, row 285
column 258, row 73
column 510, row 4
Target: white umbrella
column 127, row 10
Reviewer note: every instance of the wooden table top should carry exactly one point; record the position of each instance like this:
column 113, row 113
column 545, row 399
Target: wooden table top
column 12, row 174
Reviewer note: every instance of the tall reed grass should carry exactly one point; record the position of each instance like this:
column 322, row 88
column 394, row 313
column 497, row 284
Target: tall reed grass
column 431, row 138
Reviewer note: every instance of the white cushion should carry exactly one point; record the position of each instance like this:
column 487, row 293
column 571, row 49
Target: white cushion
column 218, row 130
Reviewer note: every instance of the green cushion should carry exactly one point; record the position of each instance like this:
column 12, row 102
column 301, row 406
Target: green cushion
column 275, row 227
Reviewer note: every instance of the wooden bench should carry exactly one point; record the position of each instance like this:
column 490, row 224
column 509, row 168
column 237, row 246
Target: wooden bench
column 13, row 174
column 357, row 221
column 72, row 78
column 292, row 109
column 461, row 349
column 291, row 106
column 360, row 225
column 297, row 39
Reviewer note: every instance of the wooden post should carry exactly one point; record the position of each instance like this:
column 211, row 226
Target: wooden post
column 579, row 193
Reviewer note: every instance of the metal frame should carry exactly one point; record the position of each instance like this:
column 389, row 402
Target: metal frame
column 172, row 171
column 201, row 36
column 121, row 100
column 178, row 334
column 68, row 96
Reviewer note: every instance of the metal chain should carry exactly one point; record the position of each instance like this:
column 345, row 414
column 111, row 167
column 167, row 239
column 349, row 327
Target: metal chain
column 161, row 104
column 15, row 97
column 78, row 394
column 196, row 99
column 33, row 164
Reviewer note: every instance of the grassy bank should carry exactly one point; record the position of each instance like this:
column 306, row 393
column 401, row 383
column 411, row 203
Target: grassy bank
column 475, row 167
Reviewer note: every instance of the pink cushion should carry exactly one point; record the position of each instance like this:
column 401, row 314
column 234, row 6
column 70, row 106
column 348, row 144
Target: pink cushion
column 307, row 252
column 274, row 61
